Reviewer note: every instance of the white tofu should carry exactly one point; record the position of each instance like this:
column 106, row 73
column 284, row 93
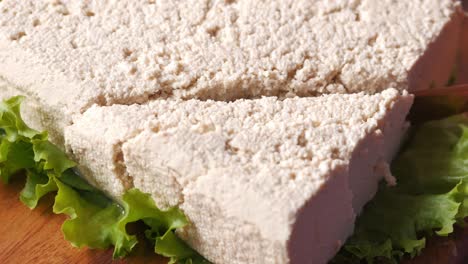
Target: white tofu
column 69, row 55
column 261, row 181
column 256, row 176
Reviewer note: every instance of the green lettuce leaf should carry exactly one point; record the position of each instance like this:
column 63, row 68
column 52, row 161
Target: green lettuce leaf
column 95, row 221
column 430, row 197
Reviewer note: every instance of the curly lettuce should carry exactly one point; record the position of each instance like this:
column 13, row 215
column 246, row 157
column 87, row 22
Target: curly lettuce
column 95, row 221
column 431, row 196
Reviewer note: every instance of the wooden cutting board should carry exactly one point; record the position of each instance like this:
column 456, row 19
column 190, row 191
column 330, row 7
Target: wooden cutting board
column 34, row 236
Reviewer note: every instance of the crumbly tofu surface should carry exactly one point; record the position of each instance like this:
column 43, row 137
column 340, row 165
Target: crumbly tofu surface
column 69, row 55
column 262, row 181
column 137, row 92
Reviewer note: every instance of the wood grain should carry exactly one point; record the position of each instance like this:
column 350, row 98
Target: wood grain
column 462, row 76
column 460, row 90
column 34, row 236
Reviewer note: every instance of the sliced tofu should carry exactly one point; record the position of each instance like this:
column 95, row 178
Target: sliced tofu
column 261, row 181
column 69, row 55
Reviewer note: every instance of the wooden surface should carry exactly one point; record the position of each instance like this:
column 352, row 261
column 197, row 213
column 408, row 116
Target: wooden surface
column 34, row 236
column 462, row 76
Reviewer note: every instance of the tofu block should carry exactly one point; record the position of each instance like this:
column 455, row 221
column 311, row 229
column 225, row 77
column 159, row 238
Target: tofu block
column 127, row 88
column 262, row 180
column 69, row 55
